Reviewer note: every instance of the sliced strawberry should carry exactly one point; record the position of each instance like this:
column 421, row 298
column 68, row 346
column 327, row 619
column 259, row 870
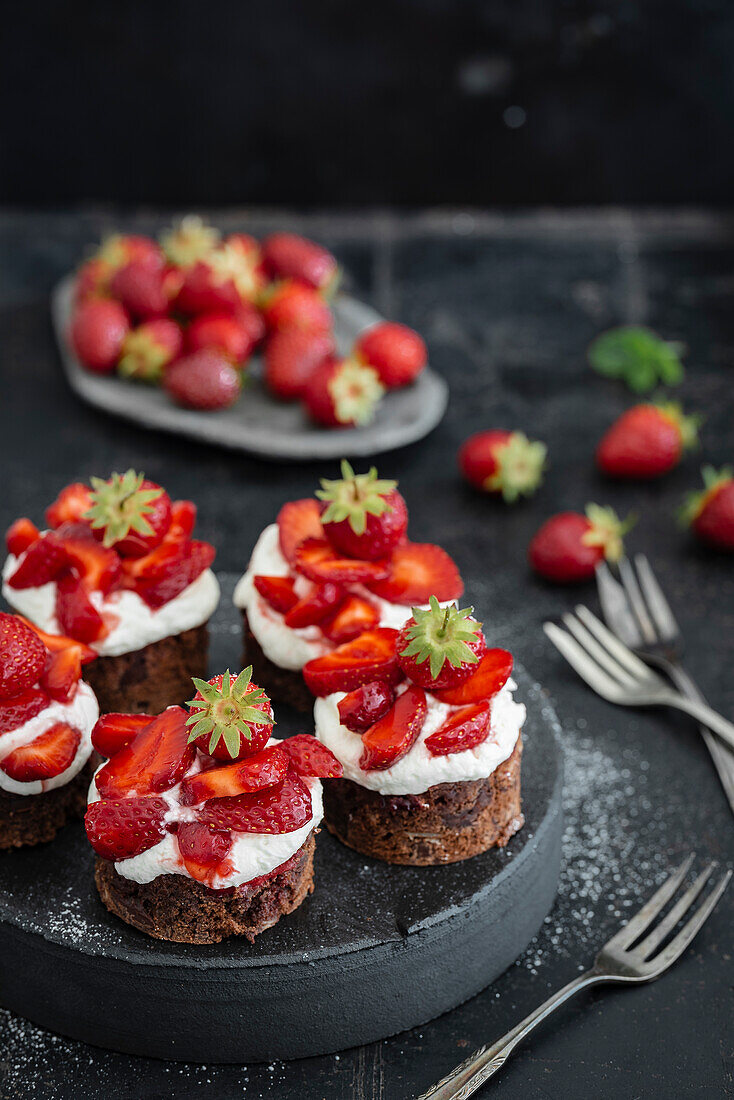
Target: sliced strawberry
column 204, row 850
column 20, row 535
column 277, row 591
column 264, row 769
column 351, row 619
column 297, row 521
column 309, row 757
column 119, row 828
column 393, row 735
column 324, row 599
column 99, row 566
column 62, row 673
column 183, row 520
column 164, row 573
column 77, row 615
column 466, row 728
column 114, row 731
column 318, row 559
column 417, row 571
column 361, row 708
column 70, row 505
column 492, row 673
column 20, row 708
column 371, row 656
column 57, row 642
column 47, row 755
column 43, row 562
column 155, row 760
column 281, row 809
column 22, row 656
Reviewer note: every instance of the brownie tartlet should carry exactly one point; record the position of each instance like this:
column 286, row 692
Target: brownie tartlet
column 118, row 570
column 330, row 568
column 432, row 763
column 46, row 717
column 204, row 824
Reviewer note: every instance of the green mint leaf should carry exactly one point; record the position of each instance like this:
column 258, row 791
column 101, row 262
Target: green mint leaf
column 638, row 357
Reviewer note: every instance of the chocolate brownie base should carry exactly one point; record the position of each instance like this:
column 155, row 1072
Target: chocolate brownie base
column 448, row 823
column 150, row 679
column 27, row 819
column 283, row 685
column 173, row 907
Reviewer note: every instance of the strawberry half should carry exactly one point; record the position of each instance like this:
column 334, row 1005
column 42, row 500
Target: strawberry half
column 395, row 733
column 120, row 828
column 62, row 673
column 113, row 732
column 47, row 755
column 77, row 615
column 309, row 757
column 20, row 708
column 417, row 571
column 20, row 535
column 371, row 656
column 22, row 656
column 164, row 573
column 492, row 673
column 351, row 619
column 361, row 708
column 42, row 563
column 297, row 521
column 154, row 760
column 281, row 809
column 264, row 769
column 277, row 591
column 204, row 850
column 310, row 610
column 317, row 559
column 466, row 728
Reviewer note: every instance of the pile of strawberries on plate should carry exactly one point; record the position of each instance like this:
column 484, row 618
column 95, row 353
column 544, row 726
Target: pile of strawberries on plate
column 187, row 313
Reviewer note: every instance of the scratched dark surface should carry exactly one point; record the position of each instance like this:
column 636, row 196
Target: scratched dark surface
column 507, row 305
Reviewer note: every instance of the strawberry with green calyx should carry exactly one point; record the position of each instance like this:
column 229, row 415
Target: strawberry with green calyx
column 637, row 356
column 219, row 282
column 503, row 463
column 364, row 516
column 342, row 393
column 129, row 513
column 149, row 348
column 569, row 546
column 647, row 441
column 710, row 513
column 439, row 646
column 395, row 351
column 191, row 240
column 230, row 718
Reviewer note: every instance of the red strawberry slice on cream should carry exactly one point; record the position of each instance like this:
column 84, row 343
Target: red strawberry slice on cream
column 317, row 559
column 418, row 571
column 466, row 728
column 310, row 610
column 119, row 828
column 263, row 769
column 350, row 619
column 155, row 760
column 277, row 591
column 371, row 656
column 393, row 735
column 47, row 755
column 492, row 673
column 281, row 809
column 297, row 521
column 204, row 851
column 114, row 731
column 309, row 757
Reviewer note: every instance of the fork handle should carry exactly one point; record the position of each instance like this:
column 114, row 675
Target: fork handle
column 483, row 1063
column 721, row 754
column 704, row 713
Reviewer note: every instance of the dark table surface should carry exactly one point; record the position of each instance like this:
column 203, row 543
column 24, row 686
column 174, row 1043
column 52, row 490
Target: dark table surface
column 508, row 306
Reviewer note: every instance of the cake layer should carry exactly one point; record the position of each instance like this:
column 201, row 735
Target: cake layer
column 26, row 820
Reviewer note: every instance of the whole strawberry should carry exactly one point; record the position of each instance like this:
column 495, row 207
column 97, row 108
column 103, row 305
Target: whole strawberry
column 219, row 282
column 98, row 329
column 230, row 718
column 569, row 546
column 710, row 514
column 146, row 287
column 291, row 357
column 128, row 513
column 203, row 380
column 395, row 351
column 440, row 647
column 342, row 393
column 363, row 516
column 22, row 656
column 149, row 348
column 191, row 240
column 288, row 256
column 647, row 441
column 291, row 304
column 503, row 463
column 222, row 331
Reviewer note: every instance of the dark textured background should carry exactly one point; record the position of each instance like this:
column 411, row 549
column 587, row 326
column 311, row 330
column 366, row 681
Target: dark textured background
column 507, row 305
column 395, row 101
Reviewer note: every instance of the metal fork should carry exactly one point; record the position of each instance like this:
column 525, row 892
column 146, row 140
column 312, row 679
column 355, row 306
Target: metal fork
column 636, row 609
column 621, row 959
column 613, row 671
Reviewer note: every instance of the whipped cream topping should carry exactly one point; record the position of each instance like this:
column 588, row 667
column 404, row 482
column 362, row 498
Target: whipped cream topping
column 81, row 712
column 418, row 770
column 135, row 624
column 251, row 854
column 283, row 645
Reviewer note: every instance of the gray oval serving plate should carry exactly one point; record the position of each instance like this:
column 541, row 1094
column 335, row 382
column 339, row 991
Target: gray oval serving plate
column 258, row 423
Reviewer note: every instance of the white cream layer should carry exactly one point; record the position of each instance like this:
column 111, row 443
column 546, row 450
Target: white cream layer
column 81, row 713
column 251, row 854
column 138, row 625
column 281, row 644
column 418, row 769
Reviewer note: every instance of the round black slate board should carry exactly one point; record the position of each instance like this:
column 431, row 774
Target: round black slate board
column 258, row 423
